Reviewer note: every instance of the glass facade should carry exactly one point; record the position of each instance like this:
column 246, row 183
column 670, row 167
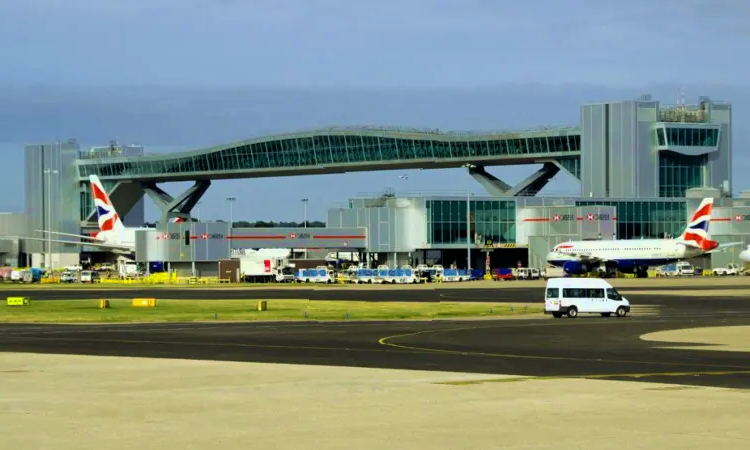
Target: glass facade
column 687, row 137
column 636, row 219
column 678, row 173
column 323, row 149
column 490, row 219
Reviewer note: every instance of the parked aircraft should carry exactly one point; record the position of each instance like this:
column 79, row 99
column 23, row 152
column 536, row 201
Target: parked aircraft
column 745, row 255
column 637, row 255
column 113, row 235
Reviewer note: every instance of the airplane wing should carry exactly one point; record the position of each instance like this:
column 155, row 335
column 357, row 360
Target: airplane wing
column 79, row 236
column 89, row 244
column 584, row 257
column 722, row 247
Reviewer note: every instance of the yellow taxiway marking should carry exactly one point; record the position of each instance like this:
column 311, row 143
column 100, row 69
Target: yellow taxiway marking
column 386, row 341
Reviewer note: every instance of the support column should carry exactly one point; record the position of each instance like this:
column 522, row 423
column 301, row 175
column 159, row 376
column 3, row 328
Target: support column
column 536, row 181
column 179, row 207
column 526, row 188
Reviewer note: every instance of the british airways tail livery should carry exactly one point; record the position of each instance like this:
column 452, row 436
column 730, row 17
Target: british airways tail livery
column 637, row 255
column 113, row 235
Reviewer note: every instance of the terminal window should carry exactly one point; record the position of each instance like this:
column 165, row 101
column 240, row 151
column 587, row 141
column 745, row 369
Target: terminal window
column 493, row 220
column 691, row 137
column 678, row 173
column 646, row 219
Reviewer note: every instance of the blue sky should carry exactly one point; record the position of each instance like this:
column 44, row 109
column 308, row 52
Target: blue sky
column 187, row 73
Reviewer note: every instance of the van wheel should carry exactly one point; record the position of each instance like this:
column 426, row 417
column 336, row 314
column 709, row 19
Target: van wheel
column 621, row 311
column 572, row 312
column 606, row 314
column 557, row 315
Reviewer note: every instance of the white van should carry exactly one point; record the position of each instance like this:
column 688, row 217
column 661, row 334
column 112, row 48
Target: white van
column 572, row 296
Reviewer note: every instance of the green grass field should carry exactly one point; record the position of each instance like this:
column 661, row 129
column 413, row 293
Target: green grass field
column 88, row 311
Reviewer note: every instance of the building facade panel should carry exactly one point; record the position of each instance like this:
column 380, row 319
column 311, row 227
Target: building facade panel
column 51, row 198
column 593, row 149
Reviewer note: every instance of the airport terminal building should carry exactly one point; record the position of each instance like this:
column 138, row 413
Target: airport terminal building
column 642, row 167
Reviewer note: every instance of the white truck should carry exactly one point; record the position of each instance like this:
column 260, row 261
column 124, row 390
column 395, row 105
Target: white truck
column 129, row 270
column 684, row 269
column 730, row 269
column 526, row 273
column 552, row 272
column 258, row 268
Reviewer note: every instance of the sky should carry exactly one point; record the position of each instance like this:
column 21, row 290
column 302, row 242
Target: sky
column 182, row 74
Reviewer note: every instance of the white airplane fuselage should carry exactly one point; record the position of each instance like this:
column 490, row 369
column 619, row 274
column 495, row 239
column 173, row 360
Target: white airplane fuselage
column 745, row 255
column 625, row 254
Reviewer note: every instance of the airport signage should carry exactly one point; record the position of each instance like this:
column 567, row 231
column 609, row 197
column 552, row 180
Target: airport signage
column 597, row 216
column 299, row 235
column 742, row 217
column 563, row 217
column 175, row 236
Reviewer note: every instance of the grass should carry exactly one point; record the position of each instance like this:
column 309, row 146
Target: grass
column 88, row 311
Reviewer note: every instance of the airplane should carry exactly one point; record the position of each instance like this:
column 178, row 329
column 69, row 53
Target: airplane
column 745, row 255
column 637, row 255
column 112, row 234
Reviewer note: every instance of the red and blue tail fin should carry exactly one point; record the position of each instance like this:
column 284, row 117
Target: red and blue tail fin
column 696, row 234
column 105, row 210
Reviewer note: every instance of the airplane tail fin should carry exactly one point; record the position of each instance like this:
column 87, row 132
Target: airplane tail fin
column 109, row 220
column 696, row 233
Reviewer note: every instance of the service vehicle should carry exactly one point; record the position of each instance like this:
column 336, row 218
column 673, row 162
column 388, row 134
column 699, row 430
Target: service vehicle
column 685, row 269
column 573, row 296
column 553, row 272
column 68, row 277
column 527, row 273
column 90, row 276
column 730, row 269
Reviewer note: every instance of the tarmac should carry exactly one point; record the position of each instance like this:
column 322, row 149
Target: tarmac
column 512, row 364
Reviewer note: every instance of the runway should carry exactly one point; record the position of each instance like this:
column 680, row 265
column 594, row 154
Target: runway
column 588, row 347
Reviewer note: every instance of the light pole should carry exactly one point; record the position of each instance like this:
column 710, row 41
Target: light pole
column 48, row 173
column 231, row 201
column 198, row 211
column 304, row 216
column 468, row 166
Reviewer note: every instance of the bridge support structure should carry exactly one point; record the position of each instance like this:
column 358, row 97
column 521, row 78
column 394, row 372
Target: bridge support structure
column 179, row 207
column 529, row 187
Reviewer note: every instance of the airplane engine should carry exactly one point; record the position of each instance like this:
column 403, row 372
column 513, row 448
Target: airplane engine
column 576, row 268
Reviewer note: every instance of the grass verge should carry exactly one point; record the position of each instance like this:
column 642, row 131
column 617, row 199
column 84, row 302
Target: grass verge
column 88, row 311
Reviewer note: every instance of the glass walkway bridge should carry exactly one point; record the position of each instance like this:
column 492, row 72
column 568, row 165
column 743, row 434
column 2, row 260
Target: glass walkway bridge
column 339, row 150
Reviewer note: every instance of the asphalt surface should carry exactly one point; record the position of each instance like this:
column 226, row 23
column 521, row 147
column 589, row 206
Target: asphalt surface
column 589, row 346
column 505, row 294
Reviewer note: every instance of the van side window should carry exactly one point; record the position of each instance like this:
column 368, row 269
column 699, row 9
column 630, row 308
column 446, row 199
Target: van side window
column 596, row 293
column 612, row 294
column 574, row 293
column 553, row 292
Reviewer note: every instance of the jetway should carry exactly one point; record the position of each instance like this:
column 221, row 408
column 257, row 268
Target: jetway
column 212, row 241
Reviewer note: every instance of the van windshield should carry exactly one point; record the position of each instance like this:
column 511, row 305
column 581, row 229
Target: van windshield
column 612, row 294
